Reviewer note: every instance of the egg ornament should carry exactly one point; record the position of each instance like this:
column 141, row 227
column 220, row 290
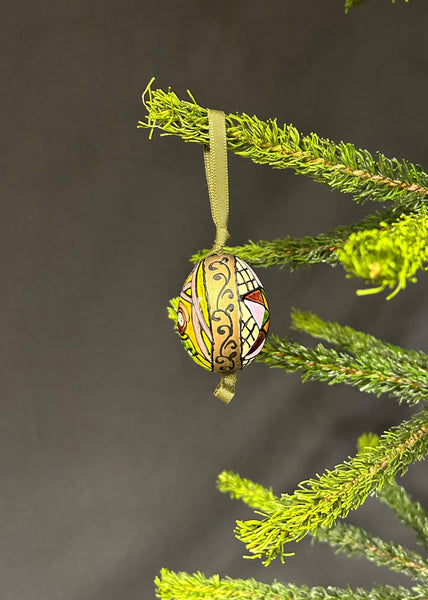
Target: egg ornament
column 223, row 314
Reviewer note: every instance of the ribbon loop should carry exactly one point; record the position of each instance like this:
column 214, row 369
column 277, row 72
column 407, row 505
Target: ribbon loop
column 215, row 157
column 226, row 388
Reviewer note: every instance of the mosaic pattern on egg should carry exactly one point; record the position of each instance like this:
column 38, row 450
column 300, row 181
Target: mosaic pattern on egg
column 223, row 314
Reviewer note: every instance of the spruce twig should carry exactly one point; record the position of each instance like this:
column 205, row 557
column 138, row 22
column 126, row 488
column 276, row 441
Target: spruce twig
column 297, row 252
column 383, row 249
column 410, row 513
column 355, row 541
column 341, row 165
column 357, row 342
column 371, row 373
column 252, row 494
column 390, row 256
column 294, row 252
column 320, row 502
column 351, row 540
column 346, row 538
column 196, row 586
column 377, row 367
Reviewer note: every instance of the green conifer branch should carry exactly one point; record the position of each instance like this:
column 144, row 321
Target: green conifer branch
column 355, row 541
column 385, row 252
column 410, row 513
column 262, row 499
column 371, row 373
column 297, row 252
column 346, row 538
column 376, row 368
column 341, row 166
column 320, row 502
column 357, row 342
column 390, row 256
column 294, row 252
column 196, row 586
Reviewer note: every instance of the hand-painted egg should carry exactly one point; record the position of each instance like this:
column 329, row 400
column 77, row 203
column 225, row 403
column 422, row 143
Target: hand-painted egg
column 223, row 314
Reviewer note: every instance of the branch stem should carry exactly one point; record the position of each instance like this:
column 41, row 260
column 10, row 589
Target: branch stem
column 339, row 165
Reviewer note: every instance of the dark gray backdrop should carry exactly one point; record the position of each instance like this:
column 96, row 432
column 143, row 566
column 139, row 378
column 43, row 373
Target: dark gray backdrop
column 110, row 438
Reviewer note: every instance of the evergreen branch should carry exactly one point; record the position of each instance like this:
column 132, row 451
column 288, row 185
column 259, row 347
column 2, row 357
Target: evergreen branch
column 341, row 166
column 357, row 342
column 379, row 249
column 354, row 541
column 262, row 499
column 196, row 586
column 410, row 513
column 347, row 538
column 377, row 368
column 297, row 252
column 371, row 373
column 388, row 257
column 320, row 502
column 351, row 3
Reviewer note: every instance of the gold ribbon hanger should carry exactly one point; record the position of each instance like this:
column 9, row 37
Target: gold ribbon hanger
column 215, row 158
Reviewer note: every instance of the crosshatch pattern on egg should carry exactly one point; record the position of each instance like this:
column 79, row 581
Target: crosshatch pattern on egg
column 223, row 314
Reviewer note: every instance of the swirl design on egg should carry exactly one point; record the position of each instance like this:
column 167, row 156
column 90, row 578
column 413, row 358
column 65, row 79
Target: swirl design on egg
column 223, row 314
